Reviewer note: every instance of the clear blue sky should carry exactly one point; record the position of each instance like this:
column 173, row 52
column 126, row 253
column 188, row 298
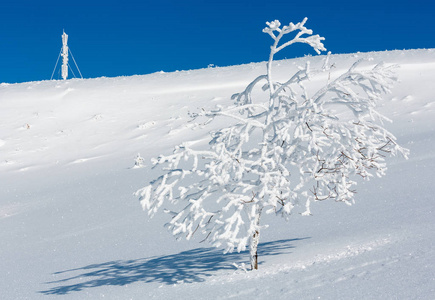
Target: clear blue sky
column 115, row 38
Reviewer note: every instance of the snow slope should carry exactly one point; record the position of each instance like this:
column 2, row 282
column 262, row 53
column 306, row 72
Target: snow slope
column 71, row 228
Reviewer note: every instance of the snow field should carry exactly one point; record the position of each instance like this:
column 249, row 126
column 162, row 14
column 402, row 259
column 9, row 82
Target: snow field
column 72, row 229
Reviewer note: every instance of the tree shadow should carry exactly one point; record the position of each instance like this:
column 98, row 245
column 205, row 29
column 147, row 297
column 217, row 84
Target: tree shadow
column 187, row 266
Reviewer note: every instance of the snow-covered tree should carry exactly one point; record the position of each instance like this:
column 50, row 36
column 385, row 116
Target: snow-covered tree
column 285, row 148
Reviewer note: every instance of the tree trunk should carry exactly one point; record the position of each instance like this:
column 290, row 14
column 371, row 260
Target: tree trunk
column 254, row 241
column 253, row 250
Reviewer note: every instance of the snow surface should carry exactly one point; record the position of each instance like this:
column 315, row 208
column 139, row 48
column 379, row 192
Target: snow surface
column 70, row 226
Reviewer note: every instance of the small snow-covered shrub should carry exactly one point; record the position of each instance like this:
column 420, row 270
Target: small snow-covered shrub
column 284, row 151
column 138, row 161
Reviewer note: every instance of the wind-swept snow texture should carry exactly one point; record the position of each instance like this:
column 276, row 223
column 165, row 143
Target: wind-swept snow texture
column 71, row 228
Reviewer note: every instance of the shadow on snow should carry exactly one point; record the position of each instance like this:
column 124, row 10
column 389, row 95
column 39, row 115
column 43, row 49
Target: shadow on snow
column 187, row 266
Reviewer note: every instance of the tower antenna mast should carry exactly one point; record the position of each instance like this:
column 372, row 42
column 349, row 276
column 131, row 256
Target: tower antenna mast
column 64, row 51
column 64, row 56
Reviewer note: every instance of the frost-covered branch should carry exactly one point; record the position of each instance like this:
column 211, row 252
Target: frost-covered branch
column 315, row 41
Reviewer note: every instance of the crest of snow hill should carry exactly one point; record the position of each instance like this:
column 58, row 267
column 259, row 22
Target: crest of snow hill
column 286, row 148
